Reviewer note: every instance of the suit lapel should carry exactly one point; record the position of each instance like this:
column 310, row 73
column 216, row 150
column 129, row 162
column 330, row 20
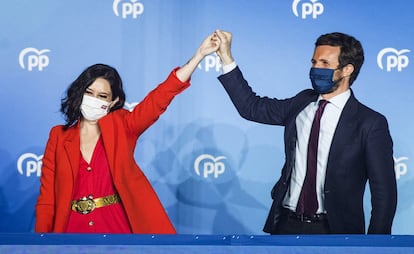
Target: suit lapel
column 345, row 127
column 291, row 133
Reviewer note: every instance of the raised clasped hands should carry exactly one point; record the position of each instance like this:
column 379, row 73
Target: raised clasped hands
column 209, row 45
column 220, row 42
column 223, row 39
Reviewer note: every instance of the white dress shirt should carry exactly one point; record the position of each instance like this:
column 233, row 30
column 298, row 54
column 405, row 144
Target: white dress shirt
column 304, row 120
column 228, row 68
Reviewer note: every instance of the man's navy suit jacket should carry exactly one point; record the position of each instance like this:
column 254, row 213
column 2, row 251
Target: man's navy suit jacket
column 361, row 151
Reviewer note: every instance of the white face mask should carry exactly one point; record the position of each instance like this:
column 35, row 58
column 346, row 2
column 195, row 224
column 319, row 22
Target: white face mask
column 94, row 109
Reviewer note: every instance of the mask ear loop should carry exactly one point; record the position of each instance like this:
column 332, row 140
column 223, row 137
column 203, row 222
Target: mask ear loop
column 341, row 67
column 113, row 103
column 333, row 75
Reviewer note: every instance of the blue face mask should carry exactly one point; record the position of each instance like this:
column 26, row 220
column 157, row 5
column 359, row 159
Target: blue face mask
column 322, row 80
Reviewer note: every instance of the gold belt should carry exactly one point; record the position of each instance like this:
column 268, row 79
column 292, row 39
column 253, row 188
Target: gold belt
column 87, row 204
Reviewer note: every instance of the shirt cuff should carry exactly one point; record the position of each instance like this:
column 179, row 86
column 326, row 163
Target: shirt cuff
column 229, row 67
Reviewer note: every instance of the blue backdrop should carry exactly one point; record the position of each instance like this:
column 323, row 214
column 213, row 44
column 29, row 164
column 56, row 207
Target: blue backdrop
column 212, row 170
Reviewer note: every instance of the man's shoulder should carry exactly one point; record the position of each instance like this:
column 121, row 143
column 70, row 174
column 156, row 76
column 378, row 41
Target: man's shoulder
column 305, row 96
column 307, row 93
column 365, row 111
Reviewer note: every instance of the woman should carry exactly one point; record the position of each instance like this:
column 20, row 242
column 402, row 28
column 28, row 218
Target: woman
column 90, row 181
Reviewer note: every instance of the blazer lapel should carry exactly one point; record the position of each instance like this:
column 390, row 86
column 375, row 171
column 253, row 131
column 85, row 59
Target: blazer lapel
column 72, row 149
column 108, row 136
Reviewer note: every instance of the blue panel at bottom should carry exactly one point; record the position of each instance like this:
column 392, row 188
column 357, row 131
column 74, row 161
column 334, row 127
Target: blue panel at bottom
column 191, row 249
column 113, row 243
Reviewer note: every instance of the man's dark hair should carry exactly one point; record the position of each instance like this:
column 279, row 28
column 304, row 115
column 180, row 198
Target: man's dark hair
column 351, row 51
column 71, row 103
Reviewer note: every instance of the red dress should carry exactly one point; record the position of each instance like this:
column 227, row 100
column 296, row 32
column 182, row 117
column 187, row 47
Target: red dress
column 95, row 179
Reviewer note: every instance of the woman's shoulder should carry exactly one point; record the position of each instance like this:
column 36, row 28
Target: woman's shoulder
column 57, row 128
column 117, row 113
column 114, row 116
column 61, row 129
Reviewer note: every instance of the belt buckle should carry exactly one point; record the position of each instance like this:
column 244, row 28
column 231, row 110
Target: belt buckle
column 306, row 219
column 85, row 205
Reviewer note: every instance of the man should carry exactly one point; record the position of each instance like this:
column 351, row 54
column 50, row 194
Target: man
column 354, row 145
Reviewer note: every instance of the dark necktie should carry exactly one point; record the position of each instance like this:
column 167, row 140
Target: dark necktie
column 308, row 201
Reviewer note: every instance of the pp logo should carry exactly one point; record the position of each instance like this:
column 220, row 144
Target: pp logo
column 394, row 59
column 400, row 167
column 210, row 62
column 132, row 8
column 35, row 59
column 130, row 106
column 29, row 163
column 312, row 7
column 206, row 165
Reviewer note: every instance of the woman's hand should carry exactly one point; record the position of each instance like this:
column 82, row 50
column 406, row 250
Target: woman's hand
column 208, row 46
